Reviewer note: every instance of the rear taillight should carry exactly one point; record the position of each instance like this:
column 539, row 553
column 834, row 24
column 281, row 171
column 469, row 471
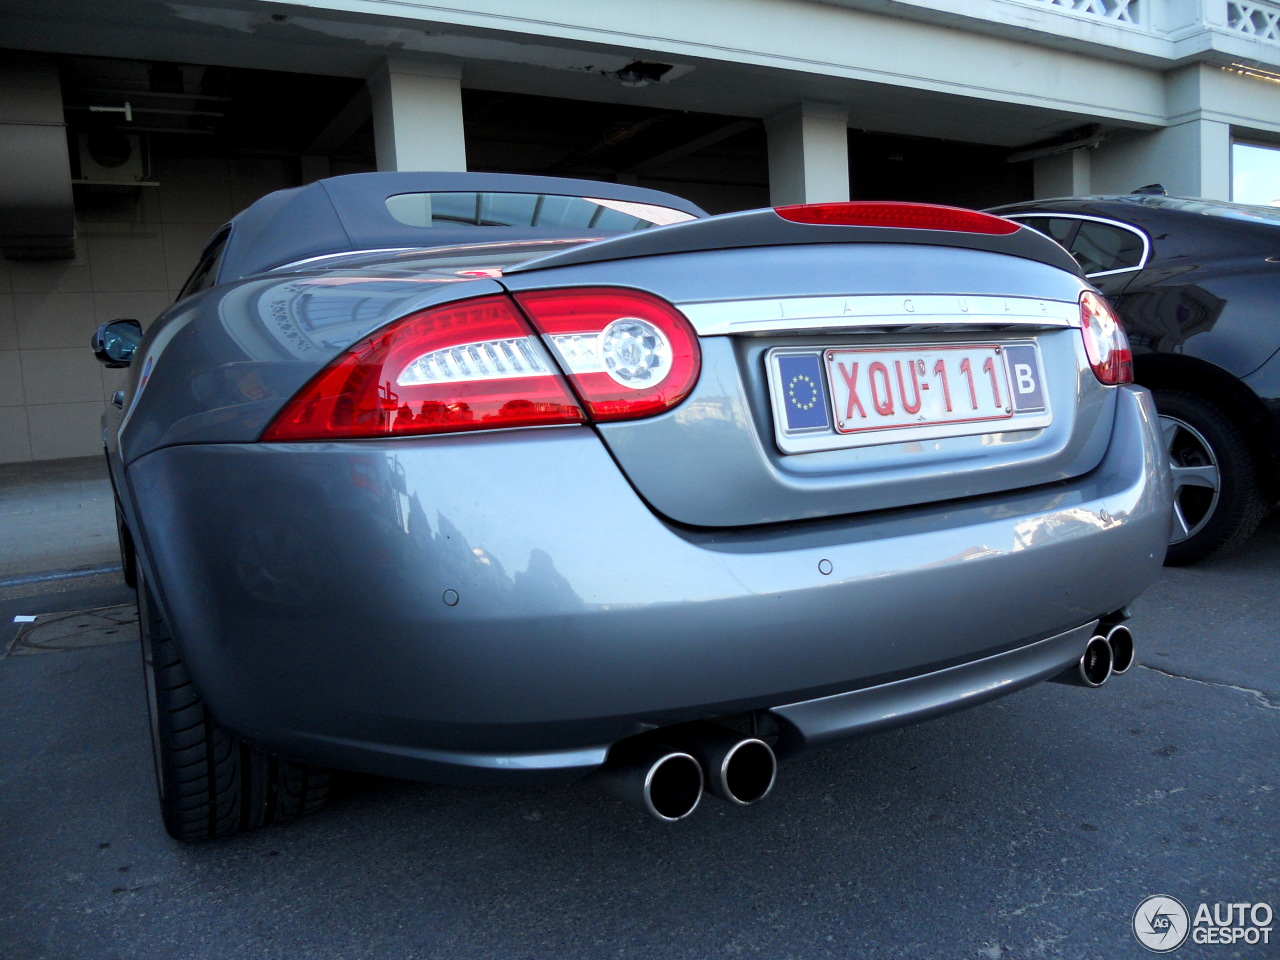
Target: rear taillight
column 910, row 216
column 627, row 354
column 471, row 365
column 1105, row 340
column 480, row 364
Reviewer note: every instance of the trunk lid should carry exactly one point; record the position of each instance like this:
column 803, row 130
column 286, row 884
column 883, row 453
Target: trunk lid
column 826, row 369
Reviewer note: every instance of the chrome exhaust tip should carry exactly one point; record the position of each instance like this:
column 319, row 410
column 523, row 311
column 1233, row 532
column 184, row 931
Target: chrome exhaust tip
column 664, row 782
column 1120, row 639
column 747, row 774
column 1096, row 663
column 740, row 770
column 1094, row 666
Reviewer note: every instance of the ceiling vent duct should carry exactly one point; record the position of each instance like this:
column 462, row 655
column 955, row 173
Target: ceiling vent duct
column 37, row 212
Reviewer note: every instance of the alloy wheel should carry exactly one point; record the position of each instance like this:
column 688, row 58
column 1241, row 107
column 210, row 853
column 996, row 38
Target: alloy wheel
column 1197, row 477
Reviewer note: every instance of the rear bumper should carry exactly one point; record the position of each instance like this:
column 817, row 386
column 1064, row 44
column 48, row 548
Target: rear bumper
column 499, row 607
column 815, row 722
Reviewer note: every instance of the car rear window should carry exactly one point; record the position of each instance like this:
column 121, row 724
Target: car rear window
column 528, row 210
column 205, row 275
column 1100, row 247
column 1058, row 228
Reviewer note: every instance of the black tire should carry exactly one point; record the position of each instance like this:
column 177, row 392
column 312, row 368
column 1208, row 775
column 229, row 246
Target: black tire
column 211, row 783
column 1218, row 500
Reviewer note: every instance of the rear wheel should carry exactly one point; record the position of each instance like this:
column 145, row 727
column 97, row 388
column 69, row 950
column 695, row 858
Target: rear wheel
column 1217, row 502
column 211, row 783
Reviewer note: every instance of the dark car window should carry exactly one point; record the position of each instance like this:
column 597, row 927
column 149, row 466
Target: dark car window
column 1058, row 228
column 1099, row 247
column 206, row 272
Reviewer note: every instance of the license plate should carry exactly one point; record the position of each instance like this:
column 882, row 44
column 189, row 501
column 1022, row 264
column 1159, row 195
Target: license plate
column 884, row 389
column 862, row 395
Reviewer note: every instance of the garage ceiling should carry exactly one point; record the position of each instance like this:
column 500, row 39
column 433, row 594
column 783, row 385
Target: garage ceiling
column 251, row 35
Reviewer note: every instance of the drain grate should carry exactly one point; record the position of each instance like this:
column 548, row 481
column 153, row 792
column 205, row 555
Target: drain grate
column 77, row 630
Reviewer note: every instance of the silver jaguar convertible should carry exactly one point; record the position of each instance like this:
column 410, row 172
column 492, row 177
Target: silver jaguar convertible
column 479, row 479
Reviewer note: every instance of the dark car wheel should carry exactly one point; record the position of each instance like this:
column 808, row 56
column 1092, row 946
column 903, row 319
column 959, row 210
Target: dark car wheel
column 211, row 783
column 1217, row 502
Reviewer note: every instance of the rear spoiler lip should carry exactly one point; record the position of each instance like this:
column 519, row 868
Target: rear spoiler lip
column 764, row 228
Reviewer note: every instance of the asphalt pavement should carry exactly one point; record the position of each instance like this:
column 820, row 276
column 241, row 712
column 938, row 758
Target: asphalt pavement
column 57, row 521
column 1033, row 826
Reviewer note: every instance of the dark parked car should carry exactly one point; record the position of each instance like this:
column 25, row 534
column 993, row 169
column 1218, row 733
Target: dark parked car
column 1196, row 284
column 488, row 479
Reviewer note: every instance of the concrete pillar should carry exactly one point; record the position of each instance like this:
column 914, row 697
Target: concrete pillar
column 417, row 116
column 808, row 154
column 1211, row 140
column 1066, row 175
column 37, row 218
column 1191, row 159
column 1191, row 156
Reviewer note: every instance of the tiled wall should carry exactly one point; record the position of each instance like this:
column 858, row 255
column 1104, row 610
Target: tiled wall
column 133, row 252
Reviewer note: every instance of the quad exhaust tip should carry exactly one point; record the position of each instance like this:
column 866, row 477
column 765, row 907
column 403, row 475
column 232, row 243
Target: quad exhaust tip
column 664, row 782
column 747, row 774
column 666, row 778
column 740, row 770
column 1120, row 640
column 1110, row 651
column 1096, row 663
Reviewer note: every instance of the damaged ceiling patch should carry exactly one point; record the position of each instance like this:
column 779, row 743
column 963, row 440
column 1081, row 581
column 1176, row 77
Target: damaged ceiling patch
column 403, row 39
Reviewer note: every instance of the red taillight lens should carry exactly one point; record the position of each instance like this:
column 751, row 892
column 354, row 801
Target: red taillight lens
column 628, row 354
column 912, row 216
column 1105, row 340
column 470, row 365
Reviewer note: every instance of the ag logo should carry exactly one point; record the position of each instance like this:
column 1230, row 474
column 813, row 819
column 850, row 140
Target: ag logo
column 1161, row 924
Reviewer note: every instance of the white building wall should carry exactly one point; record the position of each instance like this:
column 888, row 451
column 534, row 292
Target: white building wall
column 1206, row 106
column 830, row 41
column 1191, row 159
column 1150, row 72
column 132, row 256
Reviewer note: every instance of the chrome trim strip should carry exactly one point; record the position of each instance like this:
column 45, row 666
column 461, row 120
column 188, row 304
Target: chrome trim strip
column 333, row 256
column 875, row 310
column 1112, row 273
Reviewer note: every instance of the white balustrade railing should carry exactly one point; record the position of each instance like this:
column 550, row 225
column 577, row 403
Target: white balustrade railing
column 1231, row 21
column 1254, row 18
column 1118, row 11
column 1259, row 19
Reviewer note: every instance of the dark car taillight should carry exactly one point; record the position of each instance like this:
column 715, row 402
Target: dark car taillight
column 480, row 364
column 1105, row 340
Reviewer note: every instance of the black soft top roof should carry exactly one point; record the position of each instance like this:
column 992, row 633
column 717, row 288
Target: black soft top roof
column 350, row 213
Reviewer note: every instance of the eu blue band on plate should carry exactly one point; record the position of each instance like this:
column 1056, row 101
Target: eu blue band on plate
column 803, row 394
